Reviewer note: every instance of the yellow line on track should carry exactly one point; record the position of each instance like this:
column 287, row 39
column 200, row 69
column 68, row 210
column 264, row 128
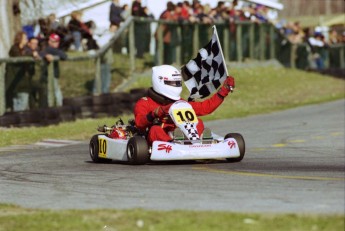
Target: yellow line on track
column 278, row 145
column 318, row 137
column 232, row 172
column 296, row 141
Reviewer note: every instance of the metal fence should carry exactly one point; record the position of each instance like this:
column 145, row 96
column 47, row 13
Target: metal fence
column 176, row 43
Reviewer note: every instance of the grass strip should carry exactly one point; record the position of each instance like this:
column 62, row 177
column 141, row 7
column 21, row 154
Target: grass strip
column 17, row 218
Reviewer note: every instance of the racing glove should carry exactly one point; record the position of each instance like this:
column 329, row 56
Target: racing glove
column 159, row 113
column 228, row 86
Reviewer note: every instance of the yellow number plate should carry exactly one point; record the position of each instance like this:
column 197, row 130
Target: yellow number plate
column 102, row 148
column 182, row 115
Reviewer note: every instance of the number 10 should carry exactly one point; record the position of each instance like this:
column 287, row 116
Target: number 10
column 189, row 115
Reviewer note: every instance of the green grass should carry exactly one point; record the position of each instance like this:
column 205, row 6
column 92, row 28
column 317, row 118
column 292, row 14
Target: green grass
column 16, row 218
column 76, row 77
column 267, row 89
column 82, row 129
column 258, row 90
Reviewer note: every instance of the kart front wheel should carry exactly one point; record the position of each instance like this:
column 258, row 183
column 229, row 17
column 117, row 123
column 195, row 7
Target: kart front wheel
column 137, row 150
column 93, row 149
column 241, row 146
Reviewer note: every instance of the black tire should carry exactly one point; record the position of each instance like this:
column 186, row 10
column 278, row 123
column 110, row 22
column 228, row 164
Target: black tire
column 93, row 150
column 137, row 150
column 104, row 99
column 241, row 145
column 9, row 120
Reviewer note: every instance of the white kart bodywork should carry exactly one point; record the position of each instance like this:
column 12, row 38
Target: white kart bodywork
column 172, row 151
column 191, row 146
column 115, row 149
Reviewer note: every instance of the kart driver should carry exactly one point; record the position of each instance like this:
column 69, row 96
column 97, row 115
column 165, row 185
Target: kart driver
column 151, row 112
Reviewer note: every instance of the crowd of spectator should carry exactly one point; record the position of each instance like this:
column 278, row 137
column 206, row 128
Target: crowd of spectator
column 21, row 92
column 314, row 37
column 50, row 36
column 78, row 35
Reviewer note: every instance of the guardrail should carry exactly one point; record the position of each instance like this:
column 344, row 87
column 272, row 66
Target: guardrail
column 240, row 41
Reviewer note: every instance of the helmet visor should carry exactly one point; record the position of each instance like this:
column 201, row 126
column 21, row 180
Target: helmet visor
column 173, row 83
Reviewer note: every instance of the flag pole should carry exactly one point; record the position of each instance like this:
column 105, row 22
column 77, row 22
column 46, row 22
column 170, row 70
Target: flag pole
column 220, row 47
column 221, row 52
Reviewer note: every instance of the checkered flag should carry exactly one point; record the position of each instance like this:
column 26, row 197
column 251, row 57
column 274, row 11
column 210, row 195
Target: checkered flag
column 192, row 132
column 205, row 73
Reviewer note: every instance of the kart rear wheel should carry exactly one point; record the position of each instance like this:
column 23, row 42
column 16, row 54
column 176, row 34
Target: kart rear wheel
column 241, row 145
column 137, row 150
column 93, row 149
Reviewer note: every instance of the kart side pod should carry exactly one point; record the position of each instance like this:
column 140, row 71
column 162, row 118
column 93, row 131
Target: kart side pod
column 136, row 151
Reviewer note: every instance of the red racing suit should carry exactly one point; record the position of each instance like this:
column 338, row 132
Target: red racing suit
column 146, row 105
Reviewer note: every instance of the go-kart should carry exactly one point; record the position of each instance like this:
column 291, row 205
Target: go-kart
column 125, row 142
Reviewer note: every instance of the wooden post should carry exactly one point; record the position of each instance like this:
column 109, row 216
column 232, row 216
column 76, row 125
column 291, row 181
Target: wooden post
column 178, row 47
column 341, row 57
column 293, row 56
column 226, row 43
column 251, row 41
column 160, row 45
column 50, row 86
column 239, row 42
column 2, row 89
column 272, row 43
column 98, row 81
column 196, row 39
column 326, row 63
column 131, row 48
column 262, row 36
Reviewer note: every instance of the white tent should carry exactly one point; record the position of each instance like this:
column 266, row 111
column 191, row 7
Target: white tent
column 274, row 4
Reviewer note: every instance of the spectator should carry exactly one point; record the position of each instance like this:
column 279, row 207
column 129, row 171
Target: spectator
column 15, row 73
column 32, row 49
column 168, row 33
column 48, row 54
column 125, row 12
column 106, row 61
column 42, row 31
column 204, row 14
column 147, row 30
column 79, row 31
column 115, row 13
column 316, row 43
column 334, row 38
column 137, row 9
column 53, row 23
column 66, row 38
column 74, row 26
column 221, row 13
column 140, row 29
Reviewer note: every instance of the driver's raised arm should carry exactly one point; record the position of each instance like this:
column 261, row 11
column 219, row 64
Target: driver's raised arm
column 208, row 106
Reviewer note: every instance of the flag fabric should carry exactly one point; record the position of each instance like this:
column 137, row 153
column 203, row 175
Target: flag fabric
column 205, row 73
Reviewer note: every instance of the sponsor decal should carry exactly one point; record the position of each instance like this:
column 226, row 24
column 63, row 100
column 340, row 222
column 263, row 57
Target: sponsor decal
column 232, row 144
column 165, row 147
column 200, row 146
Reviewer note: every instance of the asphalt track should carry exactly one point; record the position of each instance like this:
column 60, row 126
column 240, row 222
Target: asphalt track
column 294, row 163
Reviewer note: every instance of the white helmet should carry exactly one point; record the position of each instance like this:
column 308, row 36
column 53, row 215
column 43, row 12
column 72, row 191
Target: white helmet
column 167, row 81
